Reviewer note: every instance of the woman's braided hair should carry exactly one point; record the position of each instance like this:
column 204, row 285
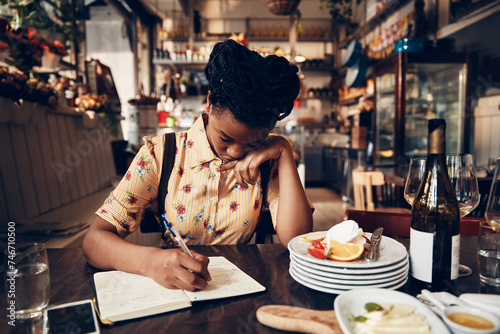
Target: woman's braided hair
column 258, row 91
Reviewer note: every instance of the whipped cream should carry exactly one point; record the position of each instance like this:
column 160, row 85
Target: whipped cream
column 343, row 232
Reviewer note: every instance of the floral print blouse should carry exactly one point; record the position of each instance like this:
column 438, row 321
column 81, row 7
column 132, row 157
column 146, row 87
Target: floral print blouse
column 207, row 207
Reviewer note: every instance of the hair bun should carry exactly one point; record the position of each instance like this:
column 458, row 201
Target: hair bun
column 258, row 91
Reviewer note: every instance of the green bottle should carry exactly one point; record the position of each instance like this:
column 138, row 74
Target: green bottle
column 435, row 218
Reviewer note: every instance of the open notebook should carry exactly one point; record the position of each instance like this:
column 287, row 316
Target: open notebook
column 123, row 296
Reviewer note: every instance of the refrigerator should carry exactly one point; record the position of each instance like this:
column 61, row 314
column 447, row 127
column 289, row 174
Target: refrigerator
column 410, row 89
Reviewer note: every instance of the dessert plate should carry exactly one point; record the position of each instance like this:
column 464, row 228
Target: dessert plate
column 360, row 272
column 346, row 279
column 402, row 277
column 391, row 252
column 333, row 291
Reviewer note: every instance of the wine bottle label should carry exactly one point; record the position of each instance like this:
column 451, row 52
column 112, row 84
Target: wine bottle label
column 455, row 256
column 421, row 246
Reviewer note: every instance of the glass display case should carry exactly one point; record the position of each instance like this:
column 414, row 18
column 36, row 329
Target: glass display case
column 410, row 89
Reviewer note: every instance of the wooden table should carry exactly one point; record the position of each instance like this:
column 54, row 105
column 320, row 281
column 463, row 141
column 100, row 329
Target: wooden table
column 71, row 280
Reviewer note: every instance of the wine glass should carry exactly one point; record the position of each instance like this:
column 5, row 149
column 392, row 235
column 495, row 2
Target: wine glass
column 414, row 179
column 462, row 173
column 493, row 207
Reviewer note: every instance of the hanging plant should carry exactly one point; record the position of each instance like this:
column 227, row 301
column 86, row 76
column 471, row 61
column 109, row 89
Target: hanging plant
column 297, row 19
column 282, row 7
column 341, row 12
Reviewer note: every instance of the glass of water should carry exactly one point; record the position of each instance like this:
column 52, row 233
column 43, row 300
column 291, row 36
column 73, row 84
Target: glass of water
column 489, row 235
column 27, row 280
column 488, row 254
column 493, row 206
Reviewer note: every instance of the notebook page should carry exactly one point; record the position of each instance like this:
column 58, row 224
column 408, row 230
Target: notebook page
column 122, row 295
column 227, row 281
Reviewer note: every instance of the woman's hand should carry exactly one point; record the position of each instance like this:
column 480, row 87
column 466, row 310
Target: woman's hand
column 171, row 268
column 246, row 169
column 174, row 269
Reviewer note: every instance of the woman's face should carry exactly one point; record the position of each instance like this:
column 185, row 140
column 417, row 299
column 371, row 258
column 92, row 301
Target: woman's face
column 229, row 138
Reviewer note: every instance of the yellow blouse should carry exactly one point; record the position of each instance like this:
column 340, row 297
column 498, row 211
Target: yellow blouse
column 207, row 207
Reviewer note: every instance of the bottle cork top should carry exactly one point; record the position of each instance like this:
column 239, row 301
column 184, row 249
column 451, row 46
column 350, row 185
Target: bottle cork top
column 435, row 123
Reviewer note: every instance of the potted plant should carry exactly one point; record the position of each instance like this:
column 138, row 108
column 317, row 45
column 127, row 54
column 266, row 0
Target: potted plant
column 98, row 109
column 341, row 12
column 53, row 51
column 55, row 23
column 22, row 49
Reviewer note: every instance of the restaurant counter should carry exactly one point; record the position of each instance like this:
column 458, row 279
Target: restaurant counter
column 71, row 280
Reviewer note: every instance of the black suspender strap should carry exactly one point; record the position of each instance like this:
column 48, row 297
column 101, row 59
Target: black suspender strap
column 265, row 226
column 168, row 166
column 151, row 221
column 265, row 173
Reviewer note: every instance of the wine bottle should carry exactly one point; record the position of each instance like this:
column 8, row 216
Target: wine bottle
column 435, row 218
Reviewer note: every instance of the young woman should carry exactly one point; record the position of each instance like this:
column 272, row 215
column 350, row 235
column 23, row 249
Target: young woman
column 214, row 191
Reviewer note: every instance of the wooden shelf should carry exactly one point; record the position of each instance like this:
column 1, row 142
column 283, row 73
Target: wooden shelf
column 349, row 101
column 179, row 62
column 223, row 37
column 328, row 98
column 286, row 39
column 468, row 20
column 375, row 21
column 317, row 69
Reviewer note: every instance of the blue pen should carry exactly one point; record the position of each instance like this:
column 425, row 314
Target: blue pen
column 173, row 232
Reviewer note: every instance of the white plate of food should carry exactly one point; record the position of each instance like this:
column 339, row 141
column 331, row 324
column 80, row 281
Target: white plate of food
column 354, row 273
column 304, row 271
column 391, row 252
column 352, row 304
column 334, row 291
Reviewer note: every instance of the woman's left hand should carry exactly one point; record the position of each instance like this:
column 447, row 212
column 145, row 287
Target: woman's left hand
column 246, row 169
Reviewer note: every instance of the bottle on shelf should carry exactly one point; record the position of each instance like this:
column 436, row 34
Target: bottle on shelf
column 435, row 218
column 169, row 108
column 178, row 108
column 161, row 110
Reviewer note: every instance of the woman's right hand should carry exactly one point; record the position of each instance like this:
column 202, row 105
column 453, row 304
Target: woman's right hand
column 171, row 268
column 174, row 269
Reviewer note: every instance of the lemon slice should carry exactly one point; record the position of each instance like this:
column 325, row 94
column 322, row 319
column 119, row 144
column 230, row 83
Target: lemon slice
column 311, row 237
column 344, row 252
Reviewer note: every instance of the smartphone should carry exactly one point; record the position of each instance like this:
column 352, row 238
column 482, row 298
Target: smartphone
column 71, row 318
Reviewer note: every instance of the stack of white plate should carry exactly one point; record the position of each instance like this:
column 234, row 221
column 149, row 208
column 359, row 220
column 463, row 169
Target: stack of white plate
column 390, row 271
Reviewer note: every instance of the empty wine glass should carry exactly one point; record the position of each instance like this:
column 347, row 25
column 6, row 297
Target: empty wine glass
column 414, row 179
column 462, row 173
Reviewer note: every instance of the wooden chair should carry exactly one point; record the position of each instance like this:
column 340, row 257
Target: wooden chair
column 397, row 224
column 363, row 183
